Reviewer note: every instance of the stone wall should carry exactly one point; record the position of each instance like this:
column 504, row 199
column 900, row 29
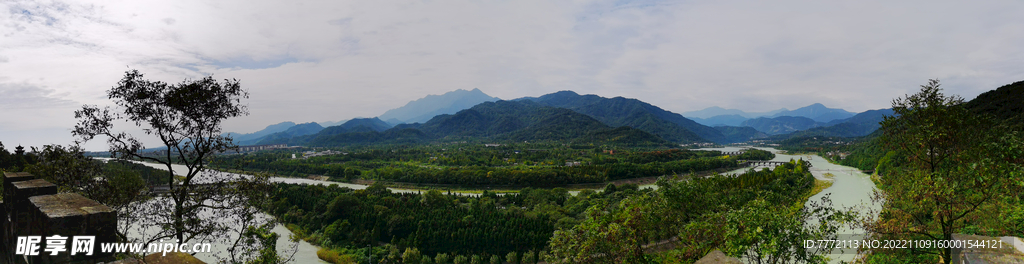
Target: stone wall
column 32, row 207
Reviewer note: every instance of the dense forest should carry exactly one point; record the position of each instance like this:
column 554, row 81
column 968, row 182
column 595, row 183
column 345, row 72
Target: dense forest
column 509, row 165
column 546, row 224
column 944, row 166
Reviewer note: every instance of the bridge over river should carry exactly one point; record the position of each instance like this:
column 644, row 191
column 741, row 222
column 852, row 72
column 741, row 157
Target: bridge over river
column 768, row 163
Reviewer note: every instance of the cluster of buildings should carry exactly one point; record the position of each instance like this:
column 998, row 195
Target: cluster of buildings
column 243, row 149
column 310, row 154
column 698, row 145
column 841, row 155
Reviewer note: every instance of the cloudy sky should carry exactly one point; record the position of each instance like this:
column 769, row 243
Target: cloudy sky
column 306, row 61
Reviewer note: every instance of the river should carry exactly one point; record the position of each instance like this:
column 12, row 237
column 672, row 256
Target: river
column 850, row 188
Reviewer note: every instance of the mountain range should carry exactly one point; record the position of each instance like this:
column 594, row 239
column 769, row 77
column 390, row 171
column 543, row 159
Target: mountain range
column 718, row 111
column 716, row 116
column 561, row 116
column 858, row 125
column 498, row 121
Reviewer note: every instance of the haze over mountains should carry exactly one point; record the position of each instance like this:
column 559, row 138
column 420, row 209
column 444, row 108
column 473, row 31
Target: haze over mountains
column 563, row 116
column 716, row 116
column 423, row 109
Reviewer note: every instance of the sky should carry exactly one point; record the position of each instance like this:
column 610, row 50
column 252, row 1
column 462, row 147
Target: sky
column 315, row 61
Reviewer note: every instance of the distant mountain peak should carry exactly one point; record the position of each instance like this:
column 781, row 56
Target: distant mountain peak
column 421, row 110
column 818, row 112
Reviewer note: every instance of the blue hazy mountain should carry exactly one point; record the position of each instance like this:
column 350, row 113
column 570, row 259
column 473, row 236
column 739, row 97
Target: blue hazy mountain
column 817, row 112
column 720, row 120
column 332, row 123
column 252, row 138
column 423, row 109
column 781, row 124
column 294, row 131
column 719, row 116
column 858, row 125
column 714, row 111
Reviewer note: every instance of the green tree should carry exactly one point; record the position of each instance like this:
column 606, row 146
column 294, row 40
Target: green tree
column 112, row 184
column 615, row 236
column 512, row 257
column 956, row 165
column 766, row 233
column 441, row 258
column 186, row 118
column 411, row 256
column 529, row 257
column 495, row 259
column 66, row 167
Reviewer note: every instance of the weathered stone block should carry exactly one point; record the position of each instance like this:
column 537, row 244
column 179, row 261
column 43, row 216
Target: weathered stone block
column 69, row 215
column 9, row 179
column 18, row 176
column 20, row 192
column 6, row 250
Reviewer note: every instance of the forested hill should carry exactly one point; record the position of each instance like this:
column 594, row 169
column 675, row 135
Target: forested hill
column 1004, row 103
column 495, row 121
column 634, row 113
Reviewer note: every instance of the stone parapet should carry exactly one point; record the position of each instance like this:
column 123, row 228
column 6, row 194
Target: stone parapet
column 70, row 215
column 32, row 207
column 9, row 179
column 19, row 207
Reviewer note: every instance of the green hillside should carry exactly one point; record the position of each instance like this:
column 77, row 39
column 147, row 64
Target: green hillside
column 633, row 113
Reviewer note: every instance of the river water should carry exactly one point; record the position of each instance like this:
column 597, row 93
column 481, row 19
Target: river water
column 850, row 188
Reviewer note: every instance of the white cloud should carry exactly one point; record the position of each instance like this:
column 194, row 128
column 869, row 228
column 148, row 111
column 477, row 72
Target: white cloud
column 317, row 61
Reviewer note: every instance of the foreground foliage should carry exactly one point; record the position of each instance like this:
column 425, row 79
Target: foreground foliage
column 958, row 170
column 762, row 212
